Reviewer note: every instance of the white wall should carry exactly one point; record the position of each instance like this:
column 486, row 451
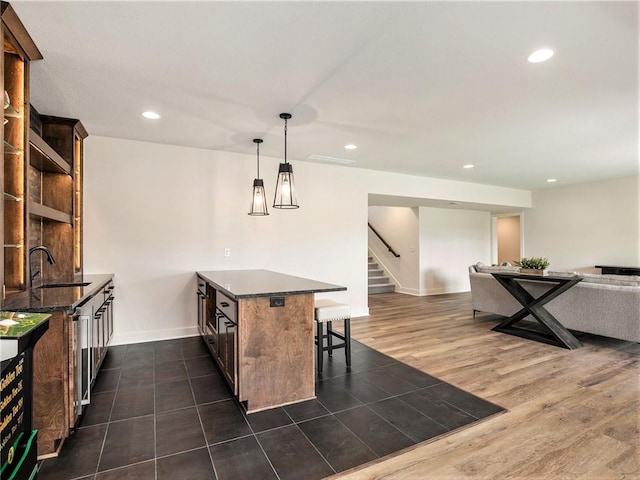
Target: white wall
column 399, row 226
column 154, row 214
column 580, row 226
column 450, row 241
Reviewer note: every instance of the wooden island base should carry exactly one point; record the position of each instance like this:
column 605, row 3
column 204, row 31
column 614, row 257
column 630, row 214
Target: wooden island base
column 275, row 352
column 259, row 327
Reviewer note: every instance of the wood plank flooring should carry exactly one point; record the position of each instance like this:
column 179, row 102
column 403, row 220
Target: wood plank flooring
column 573, row 414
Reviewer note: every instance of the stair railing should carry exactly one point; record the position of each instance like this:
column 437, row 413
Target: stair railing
column 397, row 255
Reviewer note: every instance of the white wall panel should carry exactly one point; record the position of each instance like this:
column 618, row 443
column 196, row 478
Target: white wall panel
column 580, row 226
column 450, row 241
column 154, row 214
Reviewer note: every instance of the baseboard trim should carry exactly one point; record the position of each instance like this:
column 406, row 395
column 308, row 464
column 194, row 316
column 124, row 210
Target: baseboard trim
column 125, row 338
column 409, row 291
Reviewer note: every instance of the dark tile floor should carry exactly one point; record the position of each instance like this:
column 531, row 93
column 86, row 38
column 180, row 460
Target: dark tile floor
column 162, row 411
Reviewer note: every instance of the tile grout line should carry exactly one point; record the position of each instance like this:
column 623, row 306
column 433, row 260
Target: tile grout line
column 204, row 434
column 383, row 419
column 155, row 420
column 315, row 447
column 255, row 437
column 297, row 424
column 106, row 431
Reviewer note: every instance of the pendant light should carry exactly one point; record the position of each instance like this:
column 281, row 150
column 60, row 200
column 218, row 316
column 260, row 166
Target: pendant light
column 258, row 202
column 285, row 189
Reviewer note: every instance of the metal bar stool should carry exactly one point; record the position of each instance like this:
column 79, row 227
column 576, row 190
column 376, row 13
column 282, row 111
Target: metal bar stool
column 328, row 311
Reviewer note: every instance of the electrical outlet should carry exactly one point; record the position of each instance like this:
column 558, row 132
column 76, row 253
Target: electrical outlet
column 227, row 252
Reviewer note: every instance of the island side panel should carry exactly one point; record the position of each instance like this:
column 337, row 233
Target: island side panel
column 276, row 352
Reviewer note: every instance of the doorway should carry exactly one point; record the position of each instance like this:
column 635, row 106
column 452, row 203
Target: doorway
column 507, row 238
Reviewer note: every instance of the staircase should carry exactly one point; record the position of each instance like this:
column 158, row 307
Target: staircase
column 378, row 282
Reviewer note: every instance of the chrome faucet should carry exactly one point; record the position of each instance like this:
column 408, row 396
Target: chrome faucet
column 49, row 259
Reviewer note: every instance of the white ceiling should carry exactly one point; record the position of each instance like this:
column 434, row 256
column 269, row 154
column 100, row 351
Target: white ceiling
column 421, row 87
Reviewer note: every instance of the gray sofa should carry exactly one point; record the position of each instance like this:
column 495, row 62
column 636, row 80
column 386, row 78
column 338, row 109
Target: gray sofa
column 607, row 305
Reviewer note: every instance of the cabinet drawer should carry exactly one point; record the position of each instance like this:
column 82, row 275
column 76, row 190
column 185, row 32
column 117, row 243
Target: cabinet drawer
column 202, row 286
column 211, row 339
column 227, row 306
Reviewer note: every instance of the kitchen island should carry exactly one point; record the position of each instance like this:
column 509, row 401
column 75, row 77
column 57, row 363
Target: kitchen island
column 258, row 325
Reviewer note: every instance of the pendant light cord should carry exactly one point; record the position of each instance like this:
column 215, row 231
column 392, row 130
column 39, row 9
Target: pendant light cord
column 258, row 157
column 285, row 140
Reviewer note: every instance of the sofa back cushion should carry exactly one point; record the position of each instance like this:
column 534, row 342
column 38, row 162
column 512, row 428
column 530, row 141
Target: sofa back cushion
column 621, row 280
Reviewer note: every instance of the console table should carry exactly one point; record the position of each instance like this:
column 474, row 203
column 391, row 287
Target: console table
column 554, row 332
column 611, row 270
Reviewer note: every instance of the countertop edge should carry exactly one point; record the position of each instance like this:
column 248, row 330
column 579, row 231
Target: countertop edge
column 21, row 301
column 302, row 291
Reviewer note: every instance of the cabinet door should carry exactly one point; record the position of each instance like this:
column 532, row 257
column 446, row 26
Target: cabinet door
column 95, row 343
column 221, row 356
column 211, row 322
column 109, row 313
column 201, row 299
column 229, row 368
column 228, row 351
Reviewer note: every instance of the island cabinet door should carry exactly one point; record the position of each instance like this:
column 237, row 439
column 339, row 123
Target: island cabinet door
column 229, row 352
column 275, row 351
column 226, row 313
column 207, row 322
column 201, row 294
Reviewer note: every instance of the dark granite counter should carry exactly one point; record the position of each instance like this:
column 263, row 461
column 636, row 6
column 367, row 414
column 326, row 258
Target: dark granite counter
column 61, row 298
column 239, row 284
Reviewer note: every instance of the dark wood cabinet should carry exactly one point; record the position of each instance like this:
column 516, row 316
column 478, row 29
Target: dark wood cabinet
column 42, row 180
column 67, row 360
column 41, row 175
column 218, row 326
column 18, row 51
column 55, row 198
column 66, row 137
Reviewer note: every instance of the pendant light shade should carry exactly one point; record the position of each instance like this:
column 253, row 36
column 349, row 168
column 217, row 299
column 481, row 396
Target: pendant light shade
column 285, row 188
column 258, row 201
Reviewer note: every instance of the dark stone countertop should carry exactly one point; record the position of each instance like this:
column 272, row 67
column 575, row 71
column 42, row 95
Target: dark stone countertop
column 239, row 284
column 43, row 300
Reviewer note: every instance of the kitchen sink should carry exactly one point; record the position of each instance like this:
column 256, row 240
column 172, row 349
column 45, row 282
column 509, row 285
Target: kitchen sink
column 61, row 285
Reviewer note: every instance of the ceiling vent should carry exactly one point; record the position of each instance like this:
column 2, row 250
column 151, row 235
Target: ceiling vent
column 325, row 158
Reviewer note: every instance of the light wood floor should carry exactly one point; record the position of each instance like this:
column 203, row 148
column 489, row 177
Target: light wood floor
column 572, row 414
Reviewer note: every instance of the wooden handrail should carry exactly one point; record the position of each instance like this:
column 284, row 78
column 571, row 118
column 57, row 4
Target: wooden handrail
column 383, row 241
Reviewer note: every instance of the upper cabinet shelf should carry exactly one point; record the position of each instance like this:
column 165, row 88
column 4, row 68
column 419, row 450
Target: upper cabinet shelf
column 45, row 158
column 11, row 112
column 48, row 214
column 8, row 148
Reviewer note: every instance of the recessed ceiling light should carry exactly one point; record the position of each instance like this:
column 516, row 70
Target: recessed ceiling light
column 151, row 115
column 551, row 180
column 467, row 166
column 350, row 146
column 541, row 55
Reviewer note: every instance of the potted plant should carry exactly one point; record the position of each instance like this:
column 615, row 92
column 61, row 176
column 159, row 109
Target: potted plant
column 533, row 266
